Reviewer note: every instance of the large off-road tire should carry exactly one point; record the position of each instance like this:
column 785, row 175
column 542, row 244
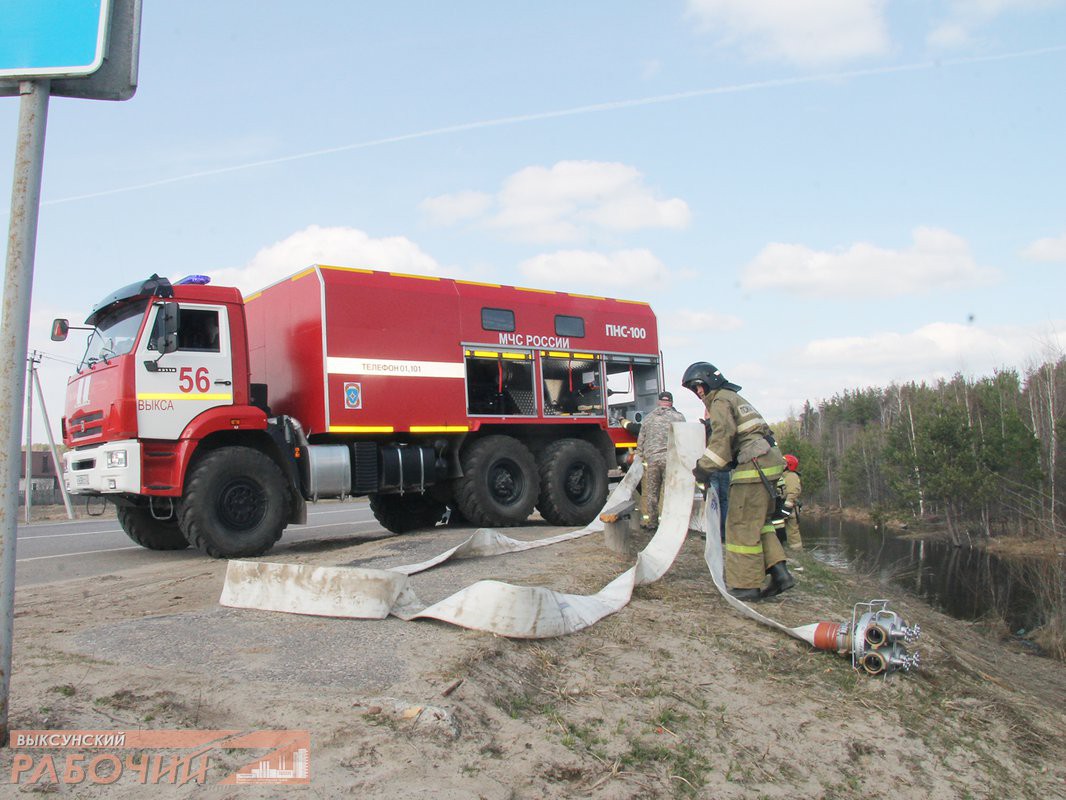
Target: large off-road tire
column 573, row 482
column 499, row 484
column 407, row 512
column 147, row 531
column 235, row 503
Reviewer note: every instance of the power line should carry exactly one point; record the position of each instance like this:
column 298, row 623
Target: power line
column 51, row 357
column 615, row 105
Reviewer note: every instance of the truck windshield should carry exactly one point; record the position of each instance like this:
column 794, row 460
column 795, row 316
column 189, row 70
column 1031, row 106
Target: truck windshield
column 114, row 334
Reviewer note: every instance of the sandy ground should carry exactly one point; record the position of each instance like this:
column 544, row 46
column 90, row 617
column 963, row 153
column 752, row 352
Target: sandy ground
column 674, row 696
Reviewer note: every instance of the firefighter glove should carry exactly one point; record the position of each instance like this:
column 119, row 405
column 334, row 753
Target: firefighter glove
column 700, row 474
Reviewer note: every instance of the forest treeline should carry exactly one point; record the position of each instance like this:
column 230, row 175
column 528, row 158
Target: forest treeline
column 983, row 455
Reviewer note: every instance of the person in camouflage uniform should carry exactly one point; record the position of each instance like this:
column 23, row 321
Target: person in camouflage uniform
column 739, row 439
column 651, row 450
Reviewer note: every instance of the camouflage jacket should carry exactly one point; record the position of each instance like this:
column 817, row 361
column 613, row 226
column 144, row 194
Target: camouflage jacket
column 655, row 433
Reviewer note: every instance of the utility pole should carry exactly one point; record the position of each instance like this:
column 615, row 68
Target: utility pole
column 31, row 362
column 58, row 470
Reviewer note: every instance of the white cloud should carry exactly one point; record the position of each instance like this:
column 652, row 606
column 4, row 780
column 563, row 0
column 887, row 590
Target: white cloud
column 825, row 367
column 566, row 202
column 938, row 259
column 931, row 349
column 810, row 32
column 602, row 272
column 937, row 350
column 1048, row 249
column 449, row 209
column 337, row 246
column 701, row 322
column 965, row 17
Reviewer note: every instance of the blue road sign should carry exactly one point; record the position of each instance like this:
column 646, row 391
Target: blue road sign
column 52, row 38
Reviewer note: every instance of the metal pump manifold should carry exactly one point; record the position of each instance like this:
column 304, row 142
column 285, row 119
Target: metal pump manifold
column 876, row 637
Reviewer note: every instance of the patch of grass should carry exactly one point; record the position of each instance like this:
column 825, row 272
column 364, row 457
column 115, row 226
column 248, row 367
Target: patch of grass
column 561, row 773
column 582, row 737
column 520, row 704
column 683, row 764
column 670, row 719
column 67, row 690
column 847, row 789
column 123, row 699
column 381, row 720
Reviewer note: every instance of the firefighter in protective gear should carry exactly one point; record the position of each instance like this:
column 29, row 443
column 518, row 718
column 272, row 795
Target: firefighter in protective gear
column 651, row 450
column 741, row 440
column 791, row 487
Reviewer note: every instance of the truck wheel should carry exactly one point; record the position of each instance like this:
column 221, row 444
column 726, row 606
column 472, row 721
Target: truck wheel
column 407, row 512
column 573, row 482
column 235, row 503
column 147, row 531
column 499, row 483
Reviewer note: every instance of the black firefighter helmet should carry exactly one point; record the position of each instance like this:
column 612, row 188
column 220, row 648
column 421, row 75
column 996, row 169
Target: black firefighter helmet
column 709, row 375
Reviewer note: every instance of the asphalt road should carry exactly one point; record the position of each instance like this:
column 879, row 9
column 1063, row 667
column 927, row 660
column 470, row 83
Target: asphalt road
column 58, row 551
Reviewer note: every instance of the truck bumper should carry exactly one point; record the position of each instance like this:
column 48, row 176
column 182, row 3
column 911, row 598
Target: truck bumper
column 111, row 468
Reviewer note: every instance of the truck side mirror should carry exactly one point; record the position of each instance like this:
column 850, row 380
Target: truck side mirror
column 60, row 329
column 167, row 340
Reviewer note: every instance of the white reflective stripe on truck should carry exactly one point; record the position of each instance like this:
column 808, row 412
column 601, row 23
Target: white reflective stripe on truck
column 337, row 365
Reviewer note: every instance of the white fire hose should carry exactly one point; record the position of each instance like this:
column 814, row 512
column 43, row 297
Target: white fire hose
column 875, row 639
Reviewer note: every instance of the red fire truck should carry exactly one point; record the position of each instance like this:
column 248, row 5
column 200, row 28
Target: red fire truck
column 211, row 420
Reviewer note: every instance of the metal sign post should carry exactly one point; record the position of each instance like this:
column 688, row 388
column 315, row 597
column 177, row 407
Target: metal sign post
column 14, row 337
column 89, row 50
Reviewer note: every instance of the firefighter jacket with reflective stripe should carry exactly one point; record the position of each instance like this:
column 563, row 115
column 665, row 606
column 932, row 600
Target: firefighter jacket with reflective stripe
column 791, row 487
column 739, row 434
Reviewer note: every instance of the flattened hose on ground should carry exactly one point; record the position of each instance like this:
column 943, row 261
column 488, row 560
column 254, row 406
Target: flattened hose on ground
column 528, row 612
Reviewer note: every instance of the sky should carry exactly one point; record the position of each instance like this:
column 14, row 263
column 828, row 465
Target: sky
column 813, row 195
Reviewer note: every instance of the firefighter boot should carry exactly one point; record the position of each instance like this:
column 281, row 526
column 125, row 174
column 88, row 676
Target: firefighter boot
column 781, row 578
column 747, row 595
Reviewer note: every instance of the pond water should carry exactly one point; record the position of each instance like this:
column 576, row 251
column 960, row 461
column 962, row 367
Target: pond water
column 965, row 582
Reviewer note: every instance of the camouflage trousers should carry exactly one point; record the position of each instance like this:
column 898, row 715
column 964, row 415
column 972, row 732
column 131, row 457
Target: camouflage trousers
column 651, row 501
column 751, row 546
